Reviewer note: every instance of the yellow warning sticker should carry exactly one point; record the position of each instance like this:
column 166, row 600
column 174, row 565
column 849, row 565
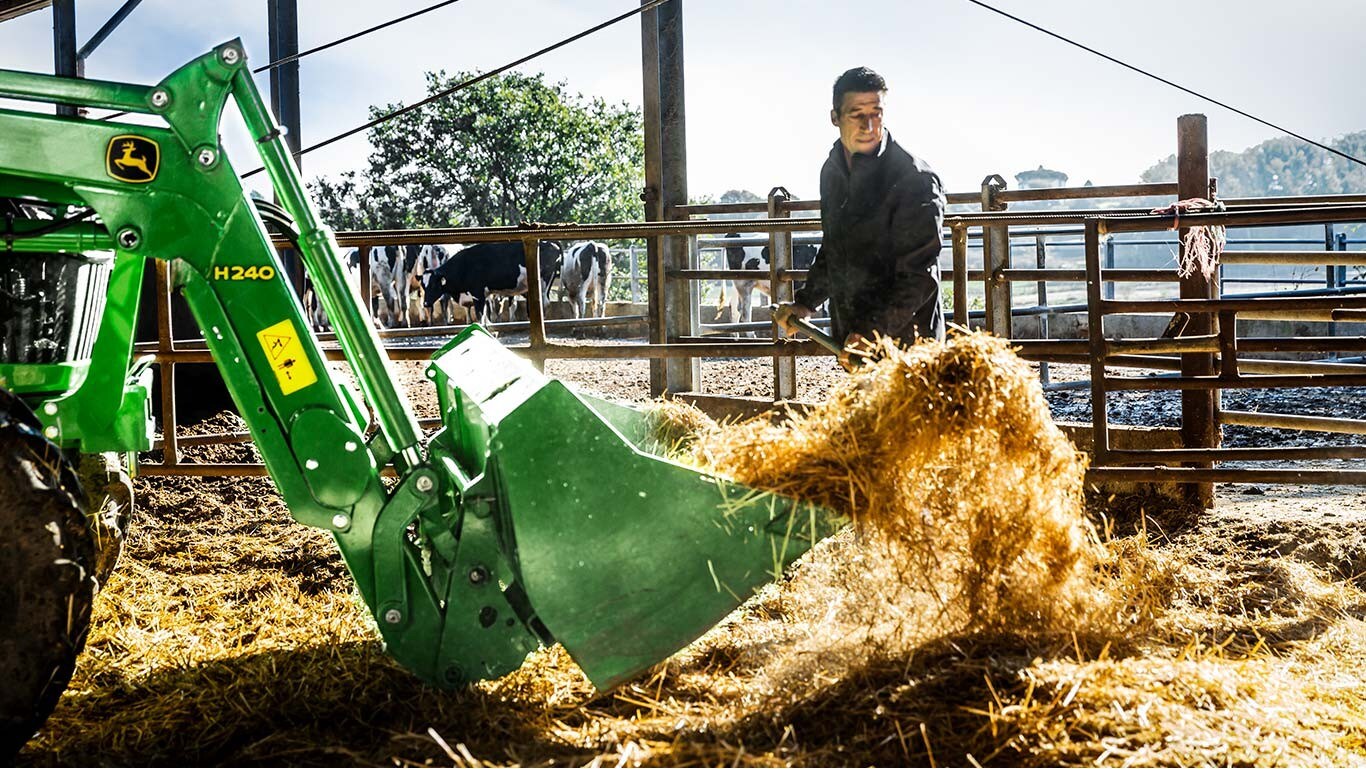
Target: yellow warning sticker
column 286, row 355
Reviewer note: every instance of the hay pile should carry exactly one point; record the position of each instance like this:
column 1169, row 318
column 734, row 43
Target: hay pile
column 947, row 460
column 230, row 635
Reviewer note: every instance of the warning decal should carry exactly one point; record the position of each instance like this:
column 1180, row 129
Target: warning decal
column 286, row 356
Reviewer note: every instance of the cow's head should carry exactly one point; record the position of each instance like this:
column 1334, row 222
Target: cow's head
column 435, row 285
column 735, row 255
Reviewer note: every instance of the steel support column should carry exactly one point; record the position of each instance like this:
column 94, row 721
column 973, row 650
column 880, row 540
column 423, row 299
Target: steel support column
column 64, row 60
column 652, row 195
column 1199, row 409
column 282, row 19
column 679, row 297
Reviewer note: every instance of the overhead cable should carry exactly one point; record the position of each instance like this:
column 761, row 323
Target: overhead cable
column 1164, row 80
column 472, row 81
column 362, row 33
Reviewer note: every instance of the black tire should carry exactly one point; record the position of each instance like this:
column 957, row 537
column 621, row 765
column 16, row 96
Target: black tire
column 47, row 580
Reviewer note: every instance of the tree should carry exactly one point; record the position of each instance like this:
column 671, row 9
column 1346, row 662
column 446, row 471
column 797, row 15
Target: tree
column 1280, row 166
column 511, row 148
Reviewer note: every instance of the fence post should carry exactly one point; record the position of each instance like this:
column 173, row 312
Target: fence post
column 779, row 261
column 1095, row 334
column 996, row 258
column 535, row 312
column 960, row 276
column 1041, row 261
column 1199, row 409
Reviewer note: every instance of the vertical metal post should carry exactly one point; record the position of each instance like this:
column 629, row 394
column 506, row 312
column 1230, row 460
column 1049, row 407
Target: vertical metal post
column 1199, row 426
column 635, row 275
column 65, row 63
column 680, row 296
column 282, row 17
column 531, row 248
column 996, row 259
column 1095, row 315
column 170, row 451
column 1342, row 268
column 779, row 262
column 960, row 276
column 1108, row 290
column 1041, row 296
column 652, row 195
column 1330, row 270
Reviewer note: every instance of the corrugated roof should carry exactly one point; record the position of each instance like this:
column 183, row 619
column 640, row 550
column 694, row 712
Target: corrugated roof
column 12, row 8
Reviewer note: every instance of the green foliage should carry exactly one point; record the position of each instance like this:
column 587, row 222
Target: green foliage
column 1281, row 166
column 509, row 149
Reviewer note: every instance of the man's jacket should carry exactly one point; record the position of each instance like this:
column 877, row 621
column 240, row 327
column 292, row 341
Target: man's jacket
column 879, row 259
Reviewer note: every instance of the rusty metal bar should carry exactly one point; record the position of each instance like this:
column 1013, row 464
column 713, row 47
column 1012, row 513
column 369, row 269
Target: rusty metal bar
column 1312, row 258
column 1266, row 382
column 535, row 313
column 1199, row 425
column 959, row 275
column 996, row 260
column 1260, row 304
column 1224, row 475
column 1252, row 454
column 1294, row 422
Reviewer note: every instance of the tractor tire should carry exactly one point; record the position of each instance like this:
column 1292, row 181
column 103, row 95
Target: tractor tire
column 47, row 579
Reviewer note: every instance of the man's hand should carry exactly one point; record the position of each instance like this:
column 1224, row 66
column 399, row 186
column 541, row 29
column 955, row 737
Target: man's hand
column 787, row 311
column 854, row 344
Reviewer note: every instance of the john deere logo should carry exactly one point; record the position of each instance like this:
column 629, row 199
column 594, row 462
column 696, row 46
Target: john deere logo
column 132, row 159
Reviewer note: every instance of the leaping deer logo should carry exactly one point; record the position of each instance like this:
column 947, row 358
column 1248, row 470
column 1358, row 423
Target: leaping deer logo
column 133, row 159
column 129, row 160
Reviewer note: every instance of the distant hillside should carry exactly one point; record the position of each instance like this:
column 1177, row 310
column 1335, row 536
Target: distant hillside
column 1281, row 166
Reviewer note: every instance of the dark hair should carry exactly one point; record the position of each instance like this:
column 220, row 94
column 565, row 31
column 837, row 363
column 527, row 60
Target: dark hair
column 857, row 80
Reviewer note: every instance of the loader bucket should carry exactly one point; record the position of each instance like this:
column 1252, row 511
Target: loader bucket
column 624, row 555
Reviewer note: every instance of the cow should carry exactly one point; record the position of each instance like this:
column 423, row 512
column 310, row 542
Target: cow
column 739, row 293
column 384, row 298
column 418, row 265
column 587, row 268
column 385, row 263
column 474, row 275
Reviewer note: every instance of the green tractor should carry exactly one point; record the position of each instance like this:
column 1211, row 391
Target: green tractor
column 491, row 543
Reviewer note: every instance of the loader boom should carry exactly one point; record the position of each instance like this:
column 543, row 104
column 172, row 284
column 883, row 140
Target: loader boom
column 515, row 525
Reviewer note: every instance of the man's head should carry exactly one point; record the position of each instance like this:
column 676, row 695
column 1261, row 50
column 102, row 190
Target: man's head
column 857, row 109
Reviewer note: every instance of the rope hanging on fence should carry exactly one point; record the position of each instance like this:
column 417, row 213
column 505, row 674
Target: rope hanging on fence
column 1203, row 245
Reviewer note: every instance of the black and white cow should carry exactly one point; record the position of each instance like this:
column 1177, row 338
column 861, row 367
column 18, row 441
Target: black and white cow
column 739, row 293
column 313, row 309
column 386, row 262
column 481, row 272
column 587, row 268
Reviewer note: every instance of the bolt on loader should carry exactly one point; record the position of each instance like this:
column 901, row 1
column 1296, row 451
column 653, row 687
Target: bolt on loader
column 534, row 515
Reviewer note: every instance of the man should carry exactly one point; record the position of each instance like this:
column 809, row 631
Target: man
column 882, row 211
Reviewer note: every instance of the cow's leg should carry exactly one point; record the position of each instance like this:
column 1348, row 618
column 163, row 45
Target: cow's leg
column 744, row 293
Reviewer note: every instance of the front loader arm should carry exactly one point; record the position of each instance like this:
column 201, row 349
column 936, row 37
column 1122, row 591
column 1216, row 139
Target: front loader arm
column 534, row 515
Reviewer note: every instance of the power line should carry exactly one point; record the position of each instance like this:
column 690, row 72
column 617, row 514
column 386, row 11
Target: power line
column 472, row 81
column 362, row 33
column 1164, row 80
column 295, row 57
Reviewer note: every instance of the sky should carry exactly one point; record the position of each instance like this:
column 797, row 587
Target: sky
column 969, row 91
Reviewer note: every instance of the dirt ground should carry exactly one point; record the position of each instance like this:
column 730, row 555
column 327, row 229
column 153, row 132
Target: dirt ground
column 247, row 698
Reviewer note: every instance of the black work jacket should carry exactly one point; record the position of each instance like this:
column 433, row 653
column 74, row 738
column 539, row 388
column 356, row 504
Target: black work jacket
column 879, row 258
